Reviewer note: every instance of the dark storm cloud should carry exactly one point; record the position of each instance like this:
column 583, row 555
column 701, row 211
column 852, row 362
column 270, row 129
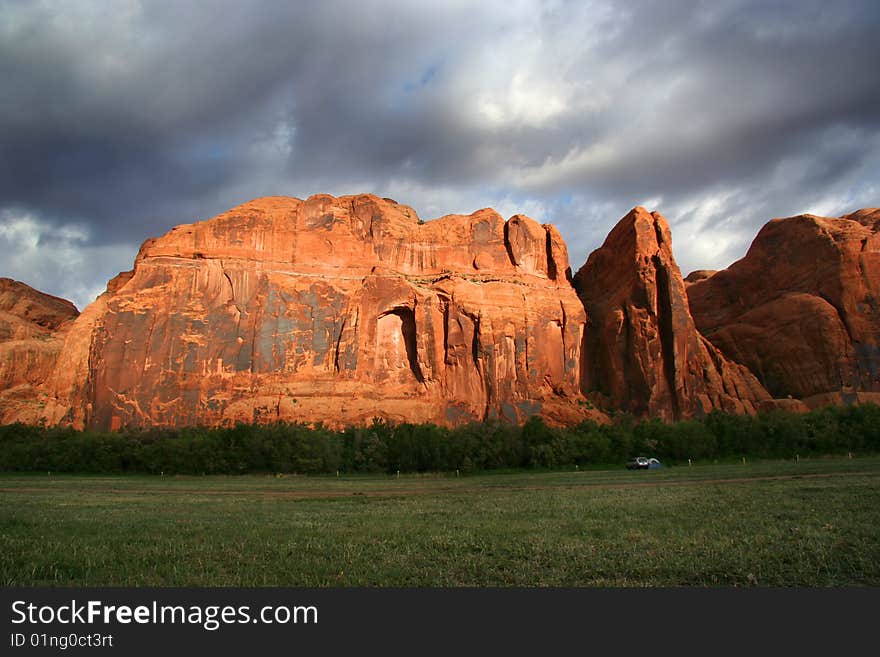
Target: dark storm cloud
column 122, row 119
column 721, row 95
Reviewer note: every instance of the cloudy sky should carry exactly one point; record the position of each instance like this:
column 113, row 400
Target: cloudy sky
column 121, row 119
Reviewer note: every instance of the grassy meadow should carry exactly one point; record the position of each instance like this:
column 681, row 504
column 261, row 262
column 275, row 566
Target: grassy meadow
column 815, row 522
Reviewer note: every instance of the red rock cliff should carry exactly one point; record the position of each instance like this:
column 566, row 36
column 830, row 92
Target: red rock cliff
column 331, row 309
column 32, row 329
column 343, row 309
column 642, row 350
column 802, row 308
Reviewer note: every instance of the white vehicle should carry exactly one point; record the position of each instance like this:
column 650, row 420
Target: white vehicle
column 643, row 463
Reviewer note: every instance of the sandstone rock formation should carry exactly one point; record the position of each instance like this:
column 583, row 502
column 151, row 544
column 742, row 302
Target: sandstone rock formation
column 699, row 275
column 802, row 308
column 642, row 350
column 339, row 310
column 331, row 309
column 32, row 329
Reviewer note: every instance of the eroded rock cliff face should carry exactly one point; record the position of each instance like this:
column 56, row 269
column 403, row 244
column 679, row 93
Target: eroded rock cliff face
column 802, row 308
column 642, row 351
column 330, row 309
column 340, row 310
column 32, row 330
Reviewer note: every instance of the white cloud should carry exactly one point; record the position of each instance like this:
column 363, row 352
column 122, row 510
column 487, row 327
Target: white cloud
column 530, row 99
column 59, row 260
column 579, row 162
column 707, row 230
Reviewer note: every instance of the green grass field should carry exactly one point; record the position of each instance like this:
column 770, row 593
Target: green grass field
column 774, row 523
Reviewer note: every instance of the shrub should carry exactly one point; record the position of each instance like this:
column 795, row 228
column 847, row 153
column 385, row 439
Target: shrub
column 385, row 447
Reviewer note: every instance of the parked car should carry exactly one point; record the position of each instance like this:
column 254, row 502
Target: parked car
column 643, row 463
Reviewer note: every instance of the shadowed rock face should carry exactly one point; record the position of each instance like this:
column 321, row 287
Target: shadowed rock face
column 801, row 308
column 642, row 350
column 329, row 309
column 32, row 329
column 27, row 312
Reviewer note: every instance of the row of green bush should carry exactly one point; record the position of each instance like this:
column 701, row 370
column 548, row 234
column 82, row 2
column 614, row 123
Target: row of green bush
column 383, row 447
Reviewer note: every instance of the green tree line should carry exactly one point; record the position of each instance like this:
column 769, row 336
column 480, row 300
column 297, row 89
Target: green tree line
column 385, row 447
